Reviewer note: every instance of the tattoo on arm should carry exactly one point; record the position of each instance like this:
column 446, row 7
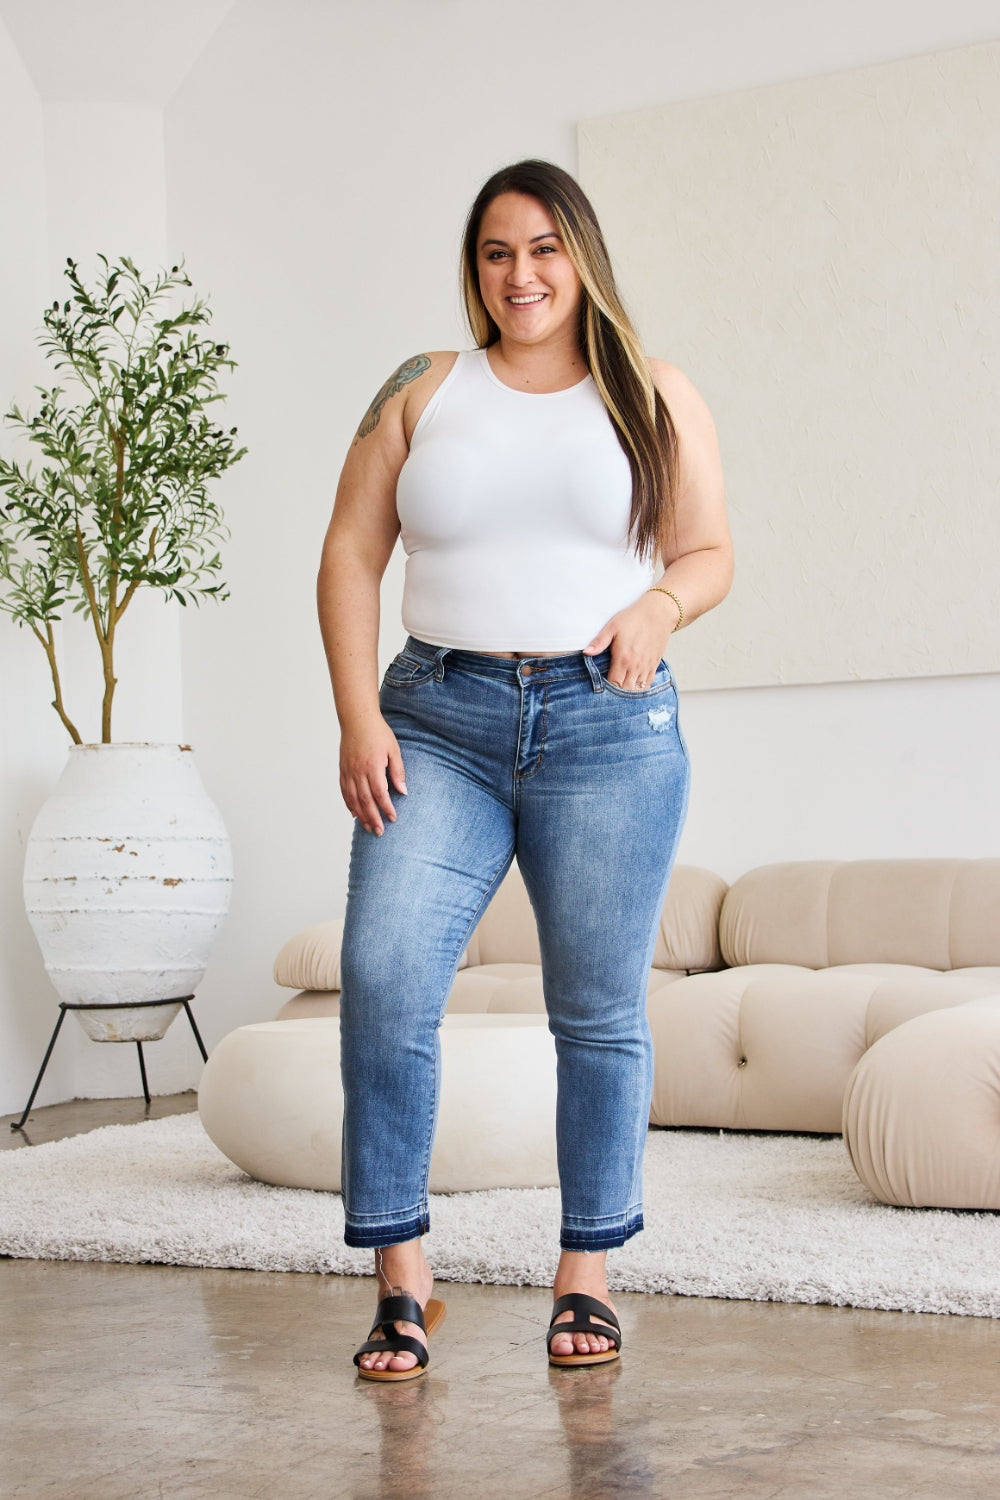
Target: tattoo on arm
column 406, row 372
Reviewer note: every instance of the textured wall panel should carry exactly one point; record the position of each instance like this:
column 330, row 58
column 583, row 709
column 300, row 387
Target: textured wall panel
column 821, row 257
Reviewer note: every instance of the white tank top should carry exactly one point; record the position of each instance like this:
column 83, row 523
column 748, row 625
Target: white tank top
column 514, row 512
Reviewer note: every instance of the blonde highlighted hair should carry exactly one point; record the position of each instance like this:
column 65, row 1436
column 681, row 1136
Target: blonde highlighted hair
column 608, row 340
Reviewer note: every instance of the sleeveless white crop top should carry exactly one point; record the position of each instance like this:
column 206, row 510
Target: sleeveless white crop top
column 514, row 512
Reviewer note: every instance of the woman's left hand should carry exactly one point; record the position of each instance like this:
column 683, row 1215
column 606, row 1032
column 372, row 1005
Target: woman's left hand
column 638, row 638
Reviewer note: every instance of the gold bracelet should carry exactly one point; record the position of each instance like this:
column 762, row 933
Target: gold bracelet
column 656, row 589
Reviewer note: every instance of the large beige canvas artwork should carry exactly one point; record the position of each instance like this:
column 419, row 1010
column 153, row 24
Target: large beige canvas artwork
column 823, row 259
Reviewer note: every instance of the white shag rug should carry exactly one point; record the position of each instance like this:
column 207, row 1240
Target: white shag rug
column 764, row 1218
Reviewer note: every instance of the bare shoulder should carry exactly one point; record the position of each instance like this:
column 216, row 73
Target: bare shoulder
column 428, row 369
column 406, row 392
column 684, row 401
column 442, row 360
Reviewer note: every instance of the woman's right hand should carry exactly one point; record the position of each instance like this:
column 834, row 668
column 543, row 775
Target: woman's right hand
column 367, row 750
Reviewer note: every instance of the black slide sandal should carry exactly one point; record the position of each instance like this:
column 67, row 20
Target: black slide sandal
column 585, row 1309
column 393, row 1310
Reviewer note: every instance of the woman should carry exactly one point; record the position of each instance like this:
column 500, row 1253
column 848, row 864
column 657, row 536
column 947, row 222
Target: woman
column 536, row 482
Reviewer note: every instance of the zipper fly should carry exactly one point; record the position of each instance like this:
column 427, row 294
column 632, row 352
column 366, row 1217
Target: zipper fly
column 531, row 730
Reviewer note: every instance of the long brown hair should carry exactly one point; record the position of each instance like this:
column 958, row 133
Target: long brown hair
column 608, row 340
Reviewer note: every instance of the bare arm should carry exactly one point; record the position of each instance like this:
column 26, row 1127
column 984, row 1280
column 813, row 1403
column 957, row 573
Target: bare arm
column 698, row 552
column 359, row 542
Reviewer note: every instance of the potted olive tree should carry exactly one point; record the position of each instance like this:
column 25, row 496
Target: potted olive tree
column 128, row 871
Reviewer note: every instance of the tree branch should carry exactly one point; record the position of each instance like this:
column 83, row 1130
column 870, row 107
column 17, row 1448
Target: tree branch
column 150, row 554
column 48, row 645
column 88, row 584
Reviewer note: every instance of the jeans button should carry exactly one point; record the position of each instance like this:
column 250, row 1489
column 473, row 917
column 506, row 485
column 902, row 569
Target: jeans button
column 527, row 671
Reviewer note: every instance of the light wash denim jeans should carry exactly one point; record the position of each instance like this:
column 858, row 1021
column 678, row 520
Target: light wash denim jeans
column 587, row 785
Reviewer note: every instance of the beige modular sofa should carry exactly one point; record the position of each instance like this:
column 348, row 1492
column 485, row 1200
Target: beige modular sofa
column 766, row 997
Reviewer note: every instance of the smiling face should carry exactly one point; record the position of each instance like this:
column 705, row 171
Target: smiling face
column 527, row 281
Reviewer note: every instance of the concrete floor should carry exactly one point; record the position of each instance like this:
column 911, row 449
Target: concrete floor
column 127, row 1382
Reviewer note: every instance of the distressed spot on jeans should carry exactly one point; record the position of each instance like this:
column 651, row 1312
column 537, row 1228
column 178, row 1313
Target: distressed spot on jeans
column 659, row 718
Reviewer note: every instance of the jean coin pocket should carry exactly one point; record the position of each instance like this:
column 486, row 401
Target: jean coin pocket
column 408, row 671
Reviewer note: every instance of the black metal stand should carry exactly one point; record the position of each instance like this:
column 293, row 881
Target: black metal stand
column 65, row 1005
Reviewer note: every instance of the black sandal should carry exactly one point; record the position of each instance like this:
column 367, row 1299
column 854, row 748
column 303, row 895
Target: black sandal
column 586, row 1310
column 393, row 1310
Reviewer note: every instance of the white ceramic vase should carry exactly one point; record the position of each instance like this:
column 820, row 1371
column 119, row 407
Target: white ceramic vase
column 127, row 878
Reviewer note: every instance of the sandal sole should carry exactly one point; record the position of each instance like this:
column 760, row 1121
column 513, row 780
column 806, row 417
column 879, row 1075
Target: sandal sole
column 568, row 1360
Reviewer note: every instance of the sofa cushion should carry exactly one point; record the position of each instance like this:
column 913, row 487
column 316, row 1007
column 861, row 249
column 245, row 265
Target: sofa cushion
column 270, row 1098
column 934, row 913
column 497, row 987
column 776, row 914
column 772, row 1046
column 688, row 935
column 309, row 1004
column 311, row 959
column 922, row 1111
column 905, row 994
column 764, row 1047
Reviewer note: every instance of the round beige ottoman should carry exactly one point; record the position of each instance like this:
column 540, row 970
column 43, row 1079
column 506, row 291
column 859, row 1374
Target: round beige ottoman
column 922, row 1110
column 271, row 1100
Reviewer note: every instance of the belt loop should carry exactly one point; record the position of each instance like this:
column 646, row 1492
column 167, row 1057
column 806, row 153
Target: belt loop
column 597, row 682
column 439, row 657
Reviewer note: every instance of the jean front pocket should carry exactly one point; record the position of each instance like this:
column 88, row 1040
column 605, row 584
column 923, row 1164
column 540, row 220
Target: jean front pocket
column 406, row 671
column 662, row 680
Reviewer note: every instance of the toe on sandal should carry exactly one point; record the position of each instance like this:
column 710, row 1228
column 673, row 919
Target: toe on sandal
column 585, row 1310
column 393, row 1310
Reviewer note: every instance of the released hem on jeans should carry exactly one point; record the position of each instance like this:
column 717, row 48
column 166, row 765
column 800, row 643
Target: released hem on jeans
column 374, row 1237
column 610, row 1237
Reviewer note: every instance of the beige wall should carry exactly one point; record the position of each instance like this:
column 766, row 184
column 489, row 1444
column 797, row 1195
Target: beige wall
column 822, row 257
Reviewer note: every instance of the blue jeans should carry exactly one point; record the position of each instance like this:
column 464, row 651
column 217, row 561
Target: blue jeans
column 587, row 785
